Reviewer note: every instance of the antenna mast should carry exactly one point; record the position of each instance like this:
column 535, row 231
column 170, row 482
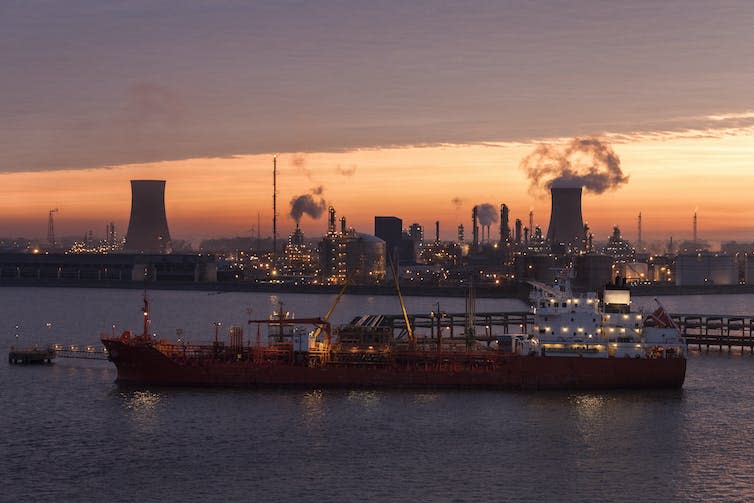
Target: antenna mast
column 694, row 227
column 274, row 208
column 51, row 228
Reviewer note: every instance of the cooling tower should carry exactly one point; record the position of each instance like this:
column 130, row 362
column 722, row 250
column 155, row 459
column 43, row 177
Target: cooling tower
column 566, row 223
column 148, row 225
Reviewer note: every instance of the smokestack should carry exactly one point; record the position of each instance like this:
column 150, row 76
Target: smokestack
column 566, row 223
column 518, row 231
column 531, row 220
column 343, row 225
column 148, row 225
column 694, row 224
column 331, row 220
column 526, row 235
column 437, row 231
column 638, row 243
column 505, row 230
column 460, row 233
column 474, row 227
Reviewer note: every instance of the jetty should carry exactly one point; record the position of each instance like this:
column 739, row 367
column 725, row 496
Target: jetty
column 31, row 355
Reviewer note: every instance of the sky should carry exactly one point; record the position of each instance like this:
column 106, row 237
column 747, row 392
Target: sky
column 415, row 109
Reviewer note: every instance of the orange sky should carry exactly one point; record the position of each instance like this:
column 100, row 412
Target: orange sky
column 671, row 175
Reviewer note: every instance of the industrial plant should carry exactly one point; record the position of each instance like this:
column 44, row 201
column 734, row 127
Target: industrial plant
column 500, row 252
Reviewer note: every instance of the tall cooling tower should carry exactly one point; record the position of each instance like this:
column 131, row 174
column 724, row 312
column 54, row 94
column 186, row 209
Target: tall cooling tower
column 148, row 225
column 566, row 223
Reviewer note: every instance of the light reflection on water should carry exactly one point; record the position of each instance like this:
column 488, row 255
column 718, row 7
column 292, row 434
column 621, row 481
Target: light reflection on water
column 69, row 422
column 142, row 407
column 367, row 399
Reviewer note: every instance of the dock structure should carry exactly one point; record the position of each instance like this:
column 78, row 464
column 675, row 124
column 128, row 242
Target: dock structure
column 81, row 352
column 702, row 331
column 717, row 331
column 30, row 355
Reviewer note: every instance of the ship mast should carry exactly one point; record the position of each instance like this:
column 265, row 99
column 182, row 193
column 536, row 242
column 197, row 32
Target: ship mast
column 147, row 320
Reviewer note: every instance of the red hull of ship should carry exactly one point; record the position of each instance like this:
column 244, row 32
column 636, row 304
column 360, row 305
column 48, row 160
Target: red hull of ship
column 142, row 364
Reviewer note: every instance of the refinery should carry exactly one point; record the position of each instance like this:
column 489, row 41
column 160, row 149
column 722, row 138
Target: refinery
column 490, row 251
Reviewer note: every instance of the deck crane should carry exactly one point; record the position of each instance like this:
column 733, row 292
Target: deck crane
column 409, row 329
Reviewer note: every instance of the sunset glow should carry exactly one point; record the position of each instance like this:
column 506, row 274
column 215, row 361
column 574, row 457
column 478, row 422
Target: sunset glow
column 669, row 176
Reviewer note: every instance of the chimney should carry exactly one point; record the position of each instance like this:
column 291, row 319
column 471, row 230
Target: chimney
column 331, row 220
column 518, row 231
column 437, row 231
column 505, row 230
column 474, row 228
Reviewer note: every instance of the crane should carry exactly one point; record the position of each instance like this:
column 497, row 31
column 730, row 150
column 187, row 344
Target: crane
column 51, row 227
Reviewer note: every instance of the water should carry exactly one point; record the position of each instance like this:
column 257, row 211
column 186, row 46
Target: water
column 69, row 433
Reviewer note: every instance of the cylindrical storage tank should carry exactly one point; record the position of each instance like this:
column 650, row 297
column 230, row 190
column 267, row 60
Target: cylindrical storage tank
column 592, row 271
column 366, row 256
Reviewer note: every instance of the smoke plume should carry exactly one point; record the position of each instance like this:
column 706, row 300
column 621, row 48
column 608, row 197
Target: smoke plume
column 486, row 214
column 457, row 202
column 311, row 204
column 346, row 171
column 299, row 162
column 584, row 162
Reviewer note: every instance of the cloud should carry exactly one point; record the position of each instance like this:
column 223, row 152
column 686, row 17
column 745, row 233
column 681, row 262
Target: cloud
column 150, row 103
column 299, row 162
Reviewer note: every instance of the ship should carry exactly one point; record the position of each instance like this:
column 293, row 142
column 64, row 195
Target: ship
column 576, row 342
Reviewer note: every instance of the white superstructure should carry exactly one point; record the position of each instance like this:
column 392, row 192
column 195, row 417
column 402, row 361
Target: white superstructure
column 581, row 326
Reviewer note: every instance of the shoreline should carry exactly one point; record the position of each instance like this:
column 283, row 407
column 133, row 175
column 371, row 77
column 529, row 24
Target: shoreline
column 514, row 291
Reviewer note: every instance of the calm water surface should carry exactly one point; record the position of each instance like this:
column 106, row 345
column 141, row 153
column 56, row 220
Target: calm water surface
column 70, row 434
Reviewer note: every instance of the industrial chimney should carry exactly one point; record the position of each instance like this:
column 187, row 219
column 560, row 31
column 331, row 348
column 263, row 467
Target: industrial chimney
column 474, row 227
column 148, row 225
column 505, row 230
column 566, row 223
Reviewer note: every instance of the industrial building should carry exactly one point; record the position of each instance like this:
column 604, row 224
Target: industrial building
column 706, row 269
column 299, row 261
column 397, row 245
column 106, row 268
column 350, row 255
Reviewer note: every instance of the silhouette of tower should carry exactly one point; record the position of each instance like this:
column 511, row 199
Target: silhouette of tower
column 566, row 223
column 148, row 225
